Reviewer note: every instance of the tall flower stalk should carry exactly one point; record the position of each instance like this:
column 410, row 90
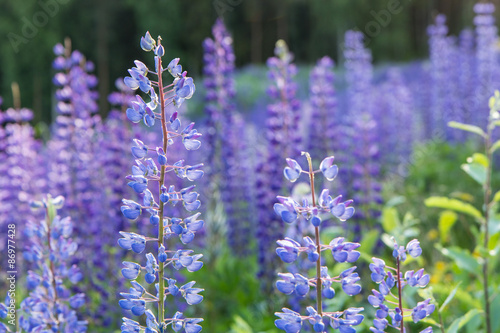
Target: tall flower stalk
column 148, row 178
column 390, row 304
column 225, row 147
column 50, row 305
column 289, row 249
column 283, row 140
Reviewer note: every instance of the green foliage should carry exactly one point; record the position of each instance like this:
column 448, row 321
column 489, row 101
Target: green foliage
column 453, row 204
column 232, row 295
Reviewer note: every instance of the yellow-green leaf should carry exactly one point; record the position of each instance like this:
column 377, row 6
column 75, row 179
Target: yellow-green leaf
column 496, row 197
column 453, row 204
column 476, row 171
column 495, row 146
column 469, row 128
column 390, row 219
column 446, row 221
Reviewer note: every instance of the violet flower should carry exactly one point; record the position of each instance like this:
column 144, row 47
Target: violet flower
column 282, row 140
column 342, row 251
column 148, row 179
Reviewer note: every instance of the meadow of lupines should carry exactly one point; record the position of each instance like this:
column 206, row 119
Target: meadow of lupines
column 340, row 197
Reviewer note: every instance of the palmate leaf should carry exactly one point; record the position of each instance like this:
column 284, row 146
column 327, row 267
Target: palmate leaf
column 454, row 204
column 469, row 128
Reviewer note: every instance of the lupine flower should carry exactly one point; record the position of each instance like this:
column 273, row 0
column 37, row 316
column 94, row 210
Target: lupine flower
column 21, row 172
column 467, row 75
column 444, row 105
column 359, row 76
column 283, row 139
column 225, row 147
column 389, row 303
column 50, row 305
column 148, row 176
column 399, row 112
column 366, row 171
column 324, row 135
column 486, row 57
column 289, row 250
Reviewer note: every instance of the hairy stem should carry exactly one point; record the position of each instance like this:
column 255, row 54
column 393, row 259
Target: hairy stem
column 400, row 296
column 161, row 272
column 487, row 193
column 318, row 244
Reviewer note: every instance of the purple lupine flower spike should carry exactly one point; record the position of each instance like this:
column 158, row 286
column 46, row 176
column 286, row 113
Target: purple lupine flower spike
column 21, row 172
column 324, row 130
column 282, row 141
column 224, row 136
column 289, row 250
column 390, row 303
column 153, row 165
column 366, row 173
column 486, row 57
column 50, row 305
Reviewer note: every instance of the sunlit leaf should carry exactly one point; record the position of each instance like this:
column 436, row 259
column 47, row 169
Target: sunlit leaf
column 469, row 128
column 453, row 204
column 390, row 219
column 446, row 221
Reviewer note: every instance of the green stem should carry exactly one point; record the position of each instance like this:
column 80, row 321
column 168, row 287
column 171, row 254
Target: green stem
column 441, row 326
column 318, row 244
column 400, row 296
column 161, row 272
column 487, row 193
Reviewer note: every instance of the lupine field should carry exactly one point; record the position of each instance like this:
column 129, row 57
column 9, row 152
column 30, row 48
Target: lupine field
column 337, row 196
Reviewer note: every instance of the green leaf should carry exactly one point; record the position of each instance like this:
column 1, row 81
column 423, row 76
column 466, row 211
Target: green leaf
column 495, row 320
column 240, row 326
column 453, row 204
column 390, row 219
column 469, row 128
column 460, row 322
column 369, row 240
column 479, row 158
column 495, row 146
column 476, row 171
column 449, row 298
column 446, row 220
column 462, row 257
column 496, row 197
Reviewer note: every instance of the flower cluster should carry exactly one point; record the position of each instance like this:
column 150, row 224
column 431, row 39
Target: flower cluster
column 366, row 172
column 151, row 167
column 283, row 139
column 51, row 305
column 342, row 251
column 21, row 171
column 224, row 145
column 324, row 114
column 388, row 277
column 486, row 56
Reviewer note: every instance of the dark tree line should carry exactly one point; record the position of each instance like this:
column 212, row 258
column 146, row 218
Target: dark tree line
column 107, row 31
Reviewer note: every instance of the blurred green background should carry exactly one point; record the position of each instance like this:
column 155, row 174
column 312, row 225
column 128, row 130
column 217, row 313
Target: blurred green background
column 107, row 31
